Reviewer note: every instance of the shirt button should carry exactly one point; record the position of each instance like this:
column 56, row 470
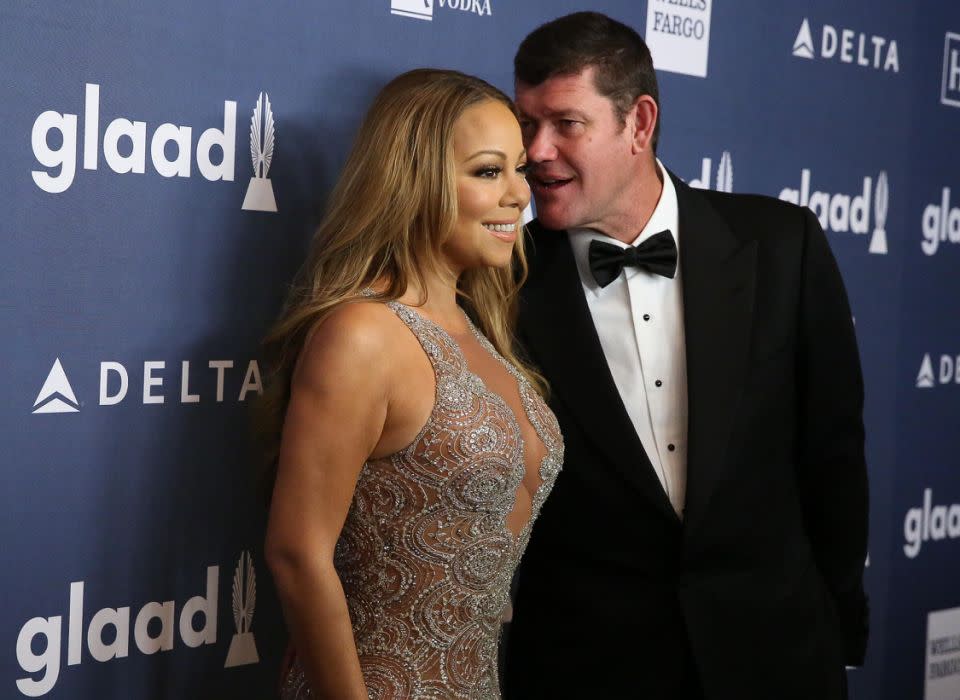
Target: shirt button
column 658, row 383
column 671, row 447
column 646, row 317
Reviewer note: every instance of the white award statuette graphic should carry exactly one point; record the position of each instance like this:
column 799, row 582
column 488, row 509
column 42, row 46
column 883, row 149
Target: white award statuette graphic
column 243, row 647
column 925, row 375
column 725, row 173
column 260, row 190
column 418, row 9
column 803, row 44
column 881, row 205
column 56, row 395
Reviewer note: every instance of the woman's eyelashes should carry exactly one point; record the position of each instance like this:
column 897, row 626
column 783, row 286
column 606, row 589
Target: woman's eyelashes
column 488, row 171
column 494, row 171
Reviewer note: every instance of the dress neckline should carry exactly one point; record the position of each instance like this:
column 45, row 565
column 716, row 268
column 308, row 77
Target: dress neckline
column 524, row 391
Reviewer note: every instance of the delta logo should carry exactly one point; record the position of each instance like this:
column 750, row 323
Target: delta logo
column 423, row 9
column 156, row 627
column 173, row 151
column 57, row 394
column 947, row 371
column 848, row 46
column 846, row 213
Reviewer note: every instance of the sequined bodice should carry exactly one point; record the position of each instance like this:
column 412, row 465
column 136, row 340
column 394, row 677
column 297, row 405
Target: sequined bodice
column 425, row 555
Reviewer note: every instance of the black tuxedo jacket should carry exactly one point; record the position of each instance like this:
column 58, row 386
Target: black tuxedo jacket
column 757, row 592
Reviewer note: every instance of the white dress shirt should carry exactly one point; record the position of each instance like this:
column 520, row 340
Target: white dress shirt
column 639, row 318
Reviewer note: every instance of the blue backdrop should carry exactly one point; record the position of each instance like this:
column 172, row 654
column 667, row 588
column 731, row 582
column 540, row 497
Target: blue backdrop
column 162, row 168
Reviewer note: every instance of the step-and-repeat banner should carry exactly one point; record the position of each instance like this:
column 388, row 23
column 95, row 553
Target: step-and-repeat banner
column 161, row 168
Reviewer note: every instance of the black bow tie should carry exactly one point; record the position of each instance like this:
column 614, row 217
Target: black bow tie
column 657, row 254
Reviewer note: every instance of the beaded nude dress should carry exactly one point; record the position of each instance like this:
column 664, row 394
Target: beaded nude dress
column 425, row 555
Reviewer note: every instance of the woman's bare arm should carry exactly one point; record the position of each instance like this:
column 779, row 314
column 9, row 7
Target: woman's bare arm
column 338, row 408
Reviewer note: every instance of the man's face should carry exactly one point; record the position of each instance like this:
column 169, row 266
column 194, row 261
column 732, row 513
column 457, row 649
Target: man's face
column 579, row 153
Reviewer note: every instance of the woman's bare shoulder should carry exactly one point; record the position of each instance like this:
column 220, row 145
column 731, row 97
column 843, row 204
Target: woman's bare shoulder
column 357, row 339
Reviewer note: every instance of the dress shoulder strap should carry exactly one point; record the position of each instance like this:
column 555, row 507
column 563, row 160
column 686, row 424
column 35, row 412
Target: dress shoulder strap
column 444, row 353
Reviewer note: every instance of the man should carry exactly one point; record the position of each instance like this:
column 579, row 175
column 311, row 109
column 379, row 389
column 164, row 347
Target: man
column 707, row 535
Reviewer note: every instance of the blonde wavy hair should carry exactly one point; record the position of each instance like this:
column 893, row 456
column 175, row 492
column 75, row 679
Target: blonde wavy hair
column 392, row 209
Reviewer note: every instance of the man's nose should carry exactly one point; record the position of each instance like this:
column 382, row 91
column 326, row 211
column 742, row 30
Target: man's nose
column 540, row 147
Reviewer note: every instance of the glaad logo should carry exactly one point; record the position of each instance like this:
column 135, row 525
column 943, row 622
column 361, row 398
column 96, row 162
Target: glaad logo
column 949, row 371
column 929, row 523
column 56, row 395
column 842, row 213
column 724, row 174
column 260, row 190
column 243, row 647
column 171, row 148
column 950, row 88
column 147, row 637
column 135, row 134
column 848, row 46
column 423, row 9
column 940, row 223
column 678, row 34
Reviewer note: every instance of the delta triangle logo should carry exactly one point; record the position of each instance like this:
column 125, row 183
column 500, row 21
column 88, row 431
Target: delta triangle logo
column 56, row 395
column 803, row 44
column 243, row 646
column 925, row 375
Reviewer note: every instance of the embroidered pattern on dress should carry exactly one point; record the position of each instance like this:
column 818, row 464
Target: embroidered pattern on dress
column 425, row 556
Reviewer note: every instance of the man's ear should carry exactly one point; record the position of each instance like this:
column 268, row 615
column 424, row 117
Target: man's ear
column 642, row 118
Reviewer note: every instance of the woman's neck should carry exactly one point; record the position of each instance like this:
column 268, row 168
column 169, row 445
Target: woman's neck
column 437, row 300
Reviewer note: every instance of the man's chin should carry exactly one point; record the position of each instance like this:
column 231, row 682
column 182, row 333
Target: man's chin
column 553, row 219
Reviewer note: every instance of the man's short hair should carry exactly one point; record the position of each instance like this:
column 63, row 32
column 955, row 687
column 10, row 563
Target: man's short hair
column 623, row 67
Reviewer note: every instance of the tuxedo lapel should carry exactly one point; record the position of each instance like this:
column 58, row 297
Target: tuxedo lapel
column 556, row 322
column 718, row 277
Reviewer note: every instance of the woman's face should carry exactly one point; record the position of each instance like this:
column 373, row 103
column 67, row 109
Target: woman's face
column 492, row 190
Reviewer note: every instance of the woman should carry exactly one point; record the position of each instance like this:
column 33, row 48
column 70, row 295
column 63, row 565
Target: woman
column 416, row 450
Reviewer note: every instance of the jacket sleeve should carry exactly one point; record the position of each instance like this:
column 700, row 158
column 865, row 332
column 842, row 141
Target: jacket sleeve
column 833, row 472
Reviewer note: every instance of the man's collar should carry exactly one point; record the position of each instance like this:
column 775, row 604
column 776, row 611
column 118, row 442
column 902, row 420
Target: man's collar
column 665, row 217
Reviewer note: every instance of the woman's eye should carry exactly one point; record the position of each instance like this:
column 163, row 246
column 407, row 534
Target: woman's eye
column 523, row 170
column 491, row 171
